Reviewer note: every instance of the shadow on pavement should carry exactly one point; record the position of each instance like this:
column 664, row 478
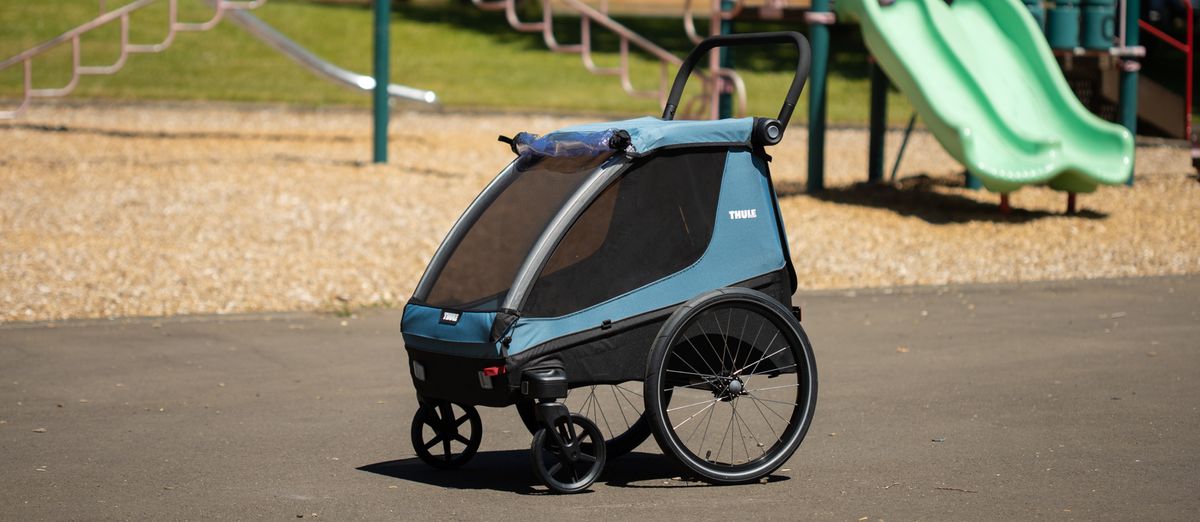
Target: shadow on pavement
column 915, row 196
column 509, row 471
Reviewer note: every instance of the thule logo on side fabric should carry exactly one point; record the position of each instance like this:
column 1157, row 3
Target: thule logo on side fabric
column 743, row 214
column 450, row 318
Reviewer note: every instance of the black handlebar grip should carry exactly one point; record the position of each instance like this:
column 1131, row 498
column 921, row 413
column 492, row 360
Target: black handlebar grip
column 803, row 60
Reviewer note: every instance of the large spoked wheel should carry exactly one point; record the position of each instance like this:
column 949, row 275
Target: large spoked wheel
column 438, row 434
column 731, row 385
column 618, row 410
column 570, row 457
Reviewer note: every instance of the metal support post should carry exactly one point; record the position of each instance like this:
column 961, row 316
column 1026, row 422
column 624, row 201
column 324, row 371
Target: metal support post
column 382, row 78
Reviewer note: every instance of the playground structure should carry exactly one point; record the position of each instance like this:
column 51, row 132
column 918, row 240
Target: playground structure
column 1024, row 125
column 714, row 83
column 237, row 11
column 998, row 139
column 1001, row 108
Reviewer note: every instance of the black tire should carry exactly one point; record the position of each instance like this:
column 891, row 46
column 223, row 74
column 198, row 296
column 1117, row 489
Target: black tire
column 436, row 425
column 557, row 469
column 708, row 382
column 620, row 414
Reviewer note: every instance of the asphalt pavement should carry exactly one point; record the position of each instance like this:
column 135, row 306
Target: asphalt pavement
column 1067, row 400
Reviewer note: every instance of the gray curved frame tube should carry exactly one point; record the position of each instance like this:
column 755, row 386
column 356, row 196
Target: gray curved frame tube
column 541, row 250
column 557, row 228
column 459, row 230
column 261, row 30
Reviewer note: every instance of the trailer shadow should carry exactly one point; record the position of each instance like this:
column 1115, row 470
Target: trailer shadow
column 916, row 196
column 509, row 471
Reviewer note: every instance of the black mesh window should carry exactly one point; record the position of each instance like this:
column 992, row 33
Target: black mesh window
column 482, row 266
column 652, row 222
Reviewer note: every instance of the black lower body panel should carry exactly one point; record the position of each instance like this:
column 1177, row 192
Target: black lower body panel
column 459, row 379
column 619, row 353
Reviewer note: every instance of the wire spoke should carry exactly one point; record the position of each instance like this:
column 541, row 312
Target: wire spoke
column 619, row 407
column 765, row 419
column 596, row 402
column 741, row 340
column 725, row 434
column 740, row 433
column 697, row 428
column 774, row 401
column 772, row 370
column 690, row 367
column 714, row 402
column 761, row 446
column 697, row 351
column 761, row 324
column 714, row 377
column 755, row 364
column 622, row 388
column 700, row 325
column 706, row 383
column 631, row 404
column 769, row 408
column 774, row 388
column 692, row 405
column 724, row 338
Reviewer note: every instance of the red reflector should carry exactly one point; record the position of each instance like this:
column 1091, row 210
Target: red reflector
column 493, row 371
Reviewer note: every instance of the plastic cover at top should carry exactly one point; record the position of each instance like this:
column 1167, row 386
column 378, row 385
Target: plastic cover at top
column 582, row 144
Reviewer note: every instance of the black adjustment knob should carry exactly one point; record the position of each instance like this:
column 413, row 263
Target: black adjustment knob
column 767, row 131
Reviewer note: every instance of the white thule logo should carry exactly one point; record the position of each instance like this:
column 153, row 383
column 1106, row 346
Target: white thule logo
column 449, row 317
column 743, row 214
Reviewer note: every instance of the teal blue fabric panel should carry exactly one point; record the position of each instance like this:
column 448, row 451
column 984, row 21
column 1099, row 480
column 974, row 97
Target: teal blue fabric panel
column 423, row 329
column 745, row 244
column 649, row 133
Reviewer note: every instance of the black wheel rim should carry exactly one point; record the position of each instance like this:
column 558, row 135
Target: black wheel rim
column 569, row 458
column 446, row 435
column 735, row 389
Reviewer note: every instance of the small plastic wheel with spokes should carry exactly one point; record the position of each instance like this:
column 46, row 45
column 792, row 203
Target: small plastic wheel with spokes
column 617, row 409
column 731, row 385
column 570, row 457
column 437, row 427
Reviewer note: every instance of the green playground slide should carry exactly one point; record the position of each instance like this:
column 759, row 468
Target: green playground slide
column 982, row 77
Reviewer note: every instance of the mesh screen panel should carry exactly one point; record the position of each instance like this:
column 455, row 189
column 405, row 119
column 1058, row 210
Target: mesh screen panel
column 652, row 222
column 482, row 266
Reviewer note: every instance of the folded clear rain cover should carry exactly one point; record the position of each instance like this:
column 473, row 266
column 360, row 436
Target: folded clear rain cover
column 567, row 144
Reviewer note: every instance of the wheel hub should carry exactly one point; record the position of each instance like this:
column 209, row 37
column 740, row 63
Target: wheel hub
column 729, row 388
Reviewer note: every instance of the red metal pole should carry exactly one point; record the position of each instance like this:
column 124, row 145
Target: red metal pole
column 1004, row 208
column 1070, row 202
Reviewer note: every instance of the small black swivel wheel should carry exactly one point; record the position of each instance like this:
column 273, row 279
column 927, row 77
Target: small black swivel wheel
column 437, row 434
column 569, row 457
column 617, row 408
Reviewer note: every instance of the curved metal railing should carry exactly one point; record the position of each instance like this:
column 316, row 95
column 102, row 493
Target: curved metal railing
column 120, row 14
column 237, row 11
column 715, row 81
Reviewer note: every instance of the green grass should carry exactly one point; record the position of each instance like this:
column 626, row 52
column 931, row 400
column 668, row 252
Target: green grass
column 472, row 59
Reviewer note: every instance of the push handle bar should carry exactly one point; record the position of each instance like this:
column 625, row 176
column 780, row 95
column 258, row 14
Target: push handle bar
column 803, row 59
